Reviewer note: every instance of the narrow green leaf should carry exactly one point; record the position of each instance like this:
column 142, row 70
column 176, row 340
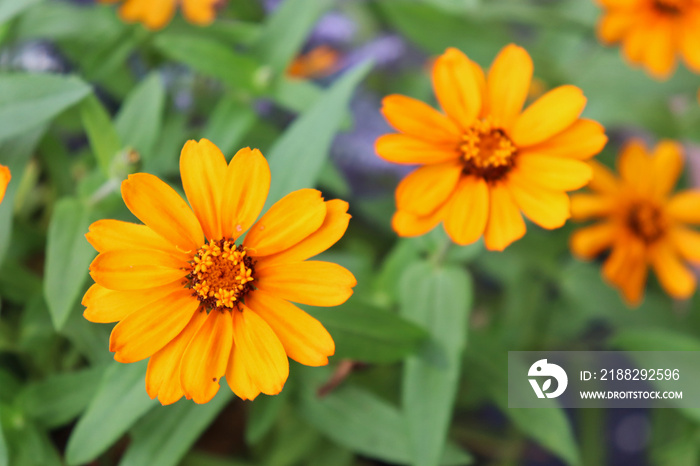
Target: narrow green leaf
column 28, row 100
column 165, row 435
column 103, row 136
column 11, row 8
column 369, row 334
column 140, row 119
column 439, row 299
column 297, row 157
column 211, row 58
column 120, row 401
column 229, row 123
column 654, row 340
column 60, row 398
column 263, row 414
column 4, row 452
column 281, row 39
column 66, row 250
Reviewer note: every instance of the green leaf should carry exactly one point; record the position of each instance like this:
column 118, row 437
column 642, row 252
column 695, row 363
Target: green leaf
column 439, row 299
column 263, row 414
column 62, row 397
column 166, row 434
column 212, row 58
column 66, row 250
column 369, row 334
column 140, row 119
column 4, row 453
column 281, row 39
column 654, row 340
column 103, row 136
column 120, row 401
column 28, row 100
column 297, row 157
column 11, row 8
column 229, row 123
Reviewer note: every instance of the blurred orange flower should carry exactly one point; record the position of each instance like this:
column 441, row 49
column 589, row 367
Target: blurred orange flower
column 317, row 63
column 156, row 14
column 654, row 32
column 487, row 160
column 5, row 177
column 200, row 305
column 641, row 221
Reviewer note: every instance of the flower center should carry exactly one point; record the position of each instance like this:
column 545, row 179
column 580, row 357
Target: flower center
column 487, row 151
column 222, row 274
column 669, row 7
column 646, row 221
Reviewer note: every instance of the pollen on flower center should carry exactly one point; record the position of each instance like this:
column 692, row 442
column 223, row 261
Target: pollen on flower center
column 487, row 151
column 222, row 274
column 669, row 7
column 646, row 221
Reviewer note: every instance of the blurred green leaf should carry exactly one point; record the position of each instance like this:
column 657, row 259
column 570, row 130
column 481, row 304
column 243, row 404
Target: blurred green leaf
column 228, row 124
column 27, row 444
column 103, row 136
column 11, row 8
column 66, row 250
column 295, row 95
column 66, row 21
column 120, row 401
column 370, row 334
column 439, row 299
column 28, row 100
column 654, row 340
column 60, row 398
column 211, row 58
column 165, row 434
column 281, row 39
column 140, row 118
column 297, row 157
column 263, row 414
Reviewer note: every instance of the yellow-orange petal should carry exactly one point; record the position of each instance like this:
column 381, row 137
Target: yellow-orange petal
column 261, row 351
column 331, row 230
column 143, row 333
column 666, row 166
column 688, row 42
column 163, row 374
column 582, row 140
column 200, row 12
column 468, row 211
column 587, row 206
column 154, row 14
column 246, row 188
column 203, row 172
column 5, row 177
column 456, row 87
column 505, row 223
column 588, row 242
column 289, row 220
column 626, row 268
column 675, row 277
column 238, row 378
column 545, row 207
column 420, row 120
column 105, row 306
column 113, row 235
column 407, row 224
column 684, row 207
column 555, row 173
column 633, row 164
column 157, row 205
column 315, row 283
column 686, row 242
column 508, row 84
column 549, row 115
column 427, row 188
column 604, row 181
column 660, row 52
column 206, row 357
column 136, row 269
column 407, row 150
column 615, row 24
column 304, row 338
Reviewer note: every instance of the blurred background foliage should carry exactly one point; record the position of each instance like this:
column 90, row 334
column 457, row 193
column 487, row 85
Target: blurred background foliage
column 419, row 375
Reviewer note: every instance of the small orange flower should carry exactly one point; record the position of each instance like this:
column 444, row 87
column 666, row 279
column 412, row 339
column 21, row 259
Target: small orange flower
column 641, row 220
column 317, row 63
column 5, row 177
column 156, row 14
column 654, row 32
column 487, row 160
column 198, row 303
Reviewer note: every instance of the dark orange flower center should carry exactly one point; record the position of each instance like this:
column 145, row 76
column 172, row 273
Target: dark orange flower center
column 487, row 152
column 669, row 7
column 646, row 221
column 222, row 274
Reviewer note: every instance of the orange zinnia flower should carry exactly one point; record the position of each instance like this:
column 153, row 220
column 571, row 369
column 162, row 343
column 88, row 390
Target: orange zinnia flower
column 642, row 221
column 653, row 32
column 200, row 305
column 317, row 63
column 486, row 161
column 5, row 177
column 155, row 14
